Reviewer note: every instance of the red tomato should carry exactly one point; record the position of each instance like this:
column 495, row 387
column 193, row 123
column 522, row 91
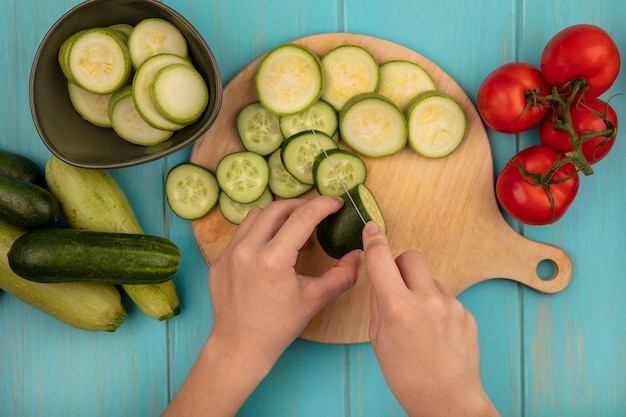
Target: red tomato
column 585, row 51
column 521, row 194
column 583, row 121
column 503, row 98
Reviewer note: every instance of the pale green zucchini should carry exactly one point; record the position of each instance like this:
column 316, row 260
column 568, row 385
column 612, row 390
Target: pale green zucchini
column 91, row 199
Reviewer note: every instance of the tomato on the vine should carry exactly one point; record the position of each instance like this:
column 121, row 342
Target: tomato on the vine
column 527, row 195
column 506, row 98
column 581, row 51
column 586, row 124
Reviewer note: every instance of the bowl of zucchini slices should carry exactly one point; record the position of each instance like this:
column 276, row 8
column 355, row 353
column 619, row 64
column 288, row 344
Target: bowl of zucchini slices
column 119, row 83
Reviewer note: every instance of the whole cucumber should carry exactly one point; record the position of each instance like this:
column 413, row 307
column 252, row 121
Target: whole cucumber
column 21, row 167
column 26, row 205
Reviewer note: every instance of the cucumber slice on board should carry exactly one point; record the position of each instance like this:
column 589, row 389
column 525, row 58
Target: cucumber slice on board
column 339, row 162
column 373, row 126
column 341, row 232
column 180, row 93
column 348, row 70
column 436, row 124
column 299, row 152
column 243, row 176
column 321, row 116
column 142, row 90
column 281, row 182
column 191, row 190
column 289, row 79
column 236, row 212
column 401, row 81
column 155, row 36
column 91, row 106
column 258, row 129
column 97, row 60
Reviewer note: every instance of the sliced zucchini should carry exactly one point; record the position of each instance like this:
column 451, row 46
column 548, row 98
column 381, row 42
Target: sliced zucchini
column 348, row 70
column 299, row 152
column 142, row 90
column 63, row 56
column 436, row 123
column 321, row 116
column 191, row 190
column 98, row 61
column 341, row 232
column 281, row 182
column 93, row 107
column 289, row 79
column 155, row 36
column 372, row 125
column 258, row 129
column 180, row 93
column 236, row 212
column 124, row 28
column 400, row 81
column 335, row 164
column 243, row 176
column 129, row 124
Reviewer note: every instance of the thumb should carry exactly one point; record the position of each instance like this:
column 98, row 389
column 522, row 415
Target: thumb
column 337, row 279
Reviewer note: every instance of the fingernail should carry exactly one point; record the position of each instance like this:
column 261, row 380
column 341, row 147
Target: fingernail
column 372, row 228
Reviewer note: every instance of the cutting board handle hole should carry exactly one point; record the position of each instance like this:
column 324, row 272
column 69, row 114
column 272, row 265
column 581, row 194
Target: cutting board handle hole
column 546, row 269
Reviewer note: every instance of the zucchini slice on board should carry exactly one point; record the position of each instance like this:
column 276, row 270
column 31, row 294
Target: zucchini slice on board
column 289, row 79
column 338, row 162
column 341, row 232
column 349, row 70
column 400, row 81
column 436, row 124
column 191, row 190
column 321, row 116
column 373, row 126
column 259, row 129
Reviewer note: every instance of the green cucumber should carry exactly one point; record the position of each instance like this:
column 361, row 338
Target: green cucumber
column 191, row 190
column 236, row 212
column 436, row 124
column 289, row 79
column 349, row 70
column 321, row 116
column 299, row 152
column 54, row 255
column 259, row 129
column 91, row 199
column 373, row 126
column 26, row 205
column 341, row 232
column 281, row 182
column 400, row 81
column 153, row 36
column 83, row 305
column 21, row 167
column 335, row 164
column 243, row 176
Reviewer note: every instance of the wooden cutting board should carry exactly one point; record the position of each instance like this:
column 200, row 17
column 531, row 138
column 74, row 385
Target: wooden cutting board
column 444, row 208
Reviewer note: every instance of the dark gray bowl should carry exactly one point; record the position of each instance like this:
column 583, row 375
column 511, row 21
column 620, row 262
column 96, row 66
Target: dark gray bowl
column 77, row 141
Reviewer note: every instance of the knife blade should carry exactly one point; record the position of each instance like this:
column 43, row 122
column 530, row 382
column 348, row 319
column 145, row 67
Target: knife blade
column 341, row 182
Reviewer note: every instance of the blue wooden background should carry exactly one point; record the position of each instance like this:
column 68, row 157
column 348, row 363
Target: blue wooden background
column 542, row 355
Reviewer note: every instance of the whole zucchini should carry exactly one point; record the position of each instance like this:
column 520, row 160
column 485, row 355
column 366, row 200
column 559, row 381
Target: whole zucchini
column 26, row 205
column 21, row 167
column 84, row 305
column 63, row 255
column 91, row 199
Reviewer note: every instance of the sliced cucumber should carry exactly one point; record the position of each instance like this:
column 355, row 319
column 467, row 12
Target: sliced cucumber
column 155, row 36
column 281, row 182
column 91, row 106
column 191, row 190
column 373, row 126
column 436, row 123
column 98, row 61
column 258, row 129
column 348, row 70
column 299, row 152
column 236, row 212
column 243, row 176
column 341, row 232
column 321, row 116
column 129, row 124
column 335, row 164
column 142, row 90
column 180, row 93
column 289, row 79
column 400, row 81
